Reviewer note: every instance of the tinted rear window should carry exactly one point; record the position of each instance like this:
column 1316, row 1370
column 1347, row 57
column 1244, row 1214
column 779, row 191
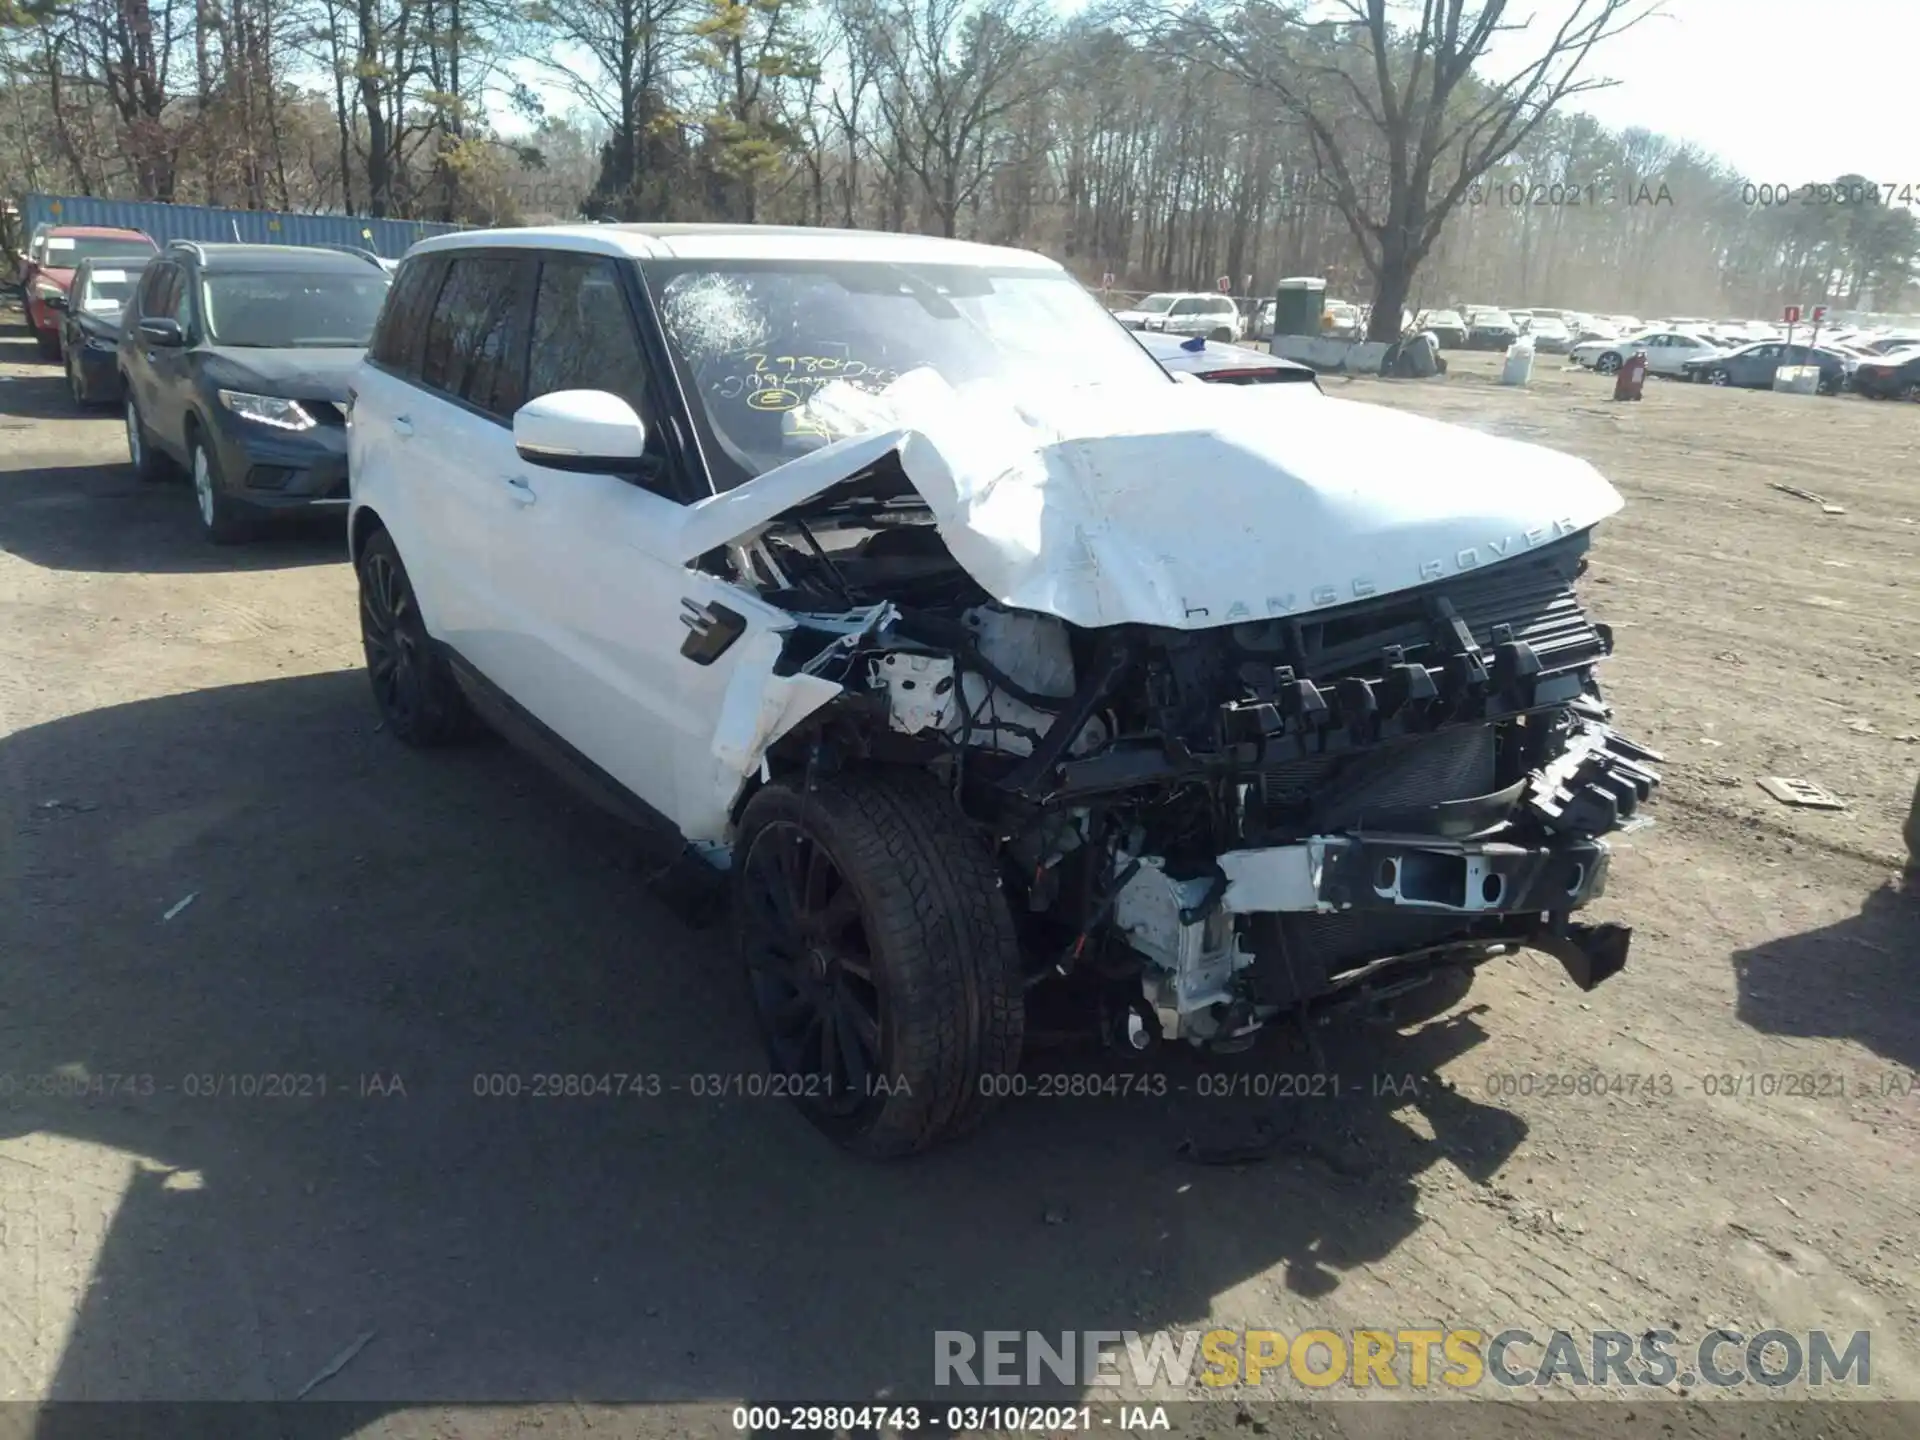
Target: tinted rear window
column 468, row 333
column 396, row 337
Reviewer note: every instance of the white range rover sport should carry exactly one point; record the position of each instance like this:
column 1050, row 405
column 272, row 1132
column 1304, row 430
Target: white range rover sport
column 889, row 584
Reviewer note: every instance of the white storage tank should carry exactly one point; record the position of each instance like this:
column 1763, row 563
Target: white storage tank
column 1518, row 369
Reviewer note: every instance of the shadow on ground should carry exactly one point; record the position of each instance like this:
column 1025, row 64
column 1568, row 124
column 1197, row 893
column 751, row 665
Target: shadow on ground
column 363, row 913
column 1858, row 979
column 70, row 501
column 104, row 518
column 42, row 393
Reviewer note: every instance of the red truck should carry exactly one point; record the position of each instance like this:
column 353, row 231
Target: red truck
column 51, row 259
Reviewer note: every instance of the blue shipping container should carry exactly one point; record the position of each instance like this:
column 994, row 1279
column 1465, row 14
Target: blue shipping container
column 387, row 238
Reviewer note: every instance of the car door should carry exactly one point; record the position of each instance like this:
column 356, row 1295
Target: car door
column 154, row 297
column 170, row 367
column 449, row 438
column 1757, row 365
column 594, row 625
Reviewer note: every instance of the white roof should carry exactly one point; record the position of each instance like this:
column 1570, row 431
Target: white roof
column 743, row 242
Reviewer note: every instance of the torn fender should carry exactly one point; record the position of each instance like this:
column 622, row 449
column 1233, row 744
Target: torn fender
column 758, row 708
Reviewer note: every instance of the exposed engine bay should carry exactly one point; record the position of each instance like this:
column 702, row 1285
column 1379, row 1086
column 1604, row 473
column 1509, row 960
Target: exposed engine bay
column 1214, row 826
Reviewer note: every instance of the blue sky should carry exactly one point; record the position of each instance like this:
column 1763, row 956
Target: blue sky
column 1785, row 90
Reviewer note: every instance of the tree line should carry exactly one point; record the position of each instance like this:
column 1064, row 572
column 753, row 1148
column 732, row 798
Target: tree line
column 1166, row 144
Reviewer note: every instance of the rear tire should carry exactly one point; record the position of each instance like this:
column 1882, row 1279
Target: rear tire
column 419, row 699
column 881, row 958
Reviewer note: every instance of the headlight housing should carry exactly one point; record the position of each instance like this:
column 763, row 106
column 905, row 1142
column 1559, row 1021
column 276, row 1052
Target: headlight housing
column 281, row 414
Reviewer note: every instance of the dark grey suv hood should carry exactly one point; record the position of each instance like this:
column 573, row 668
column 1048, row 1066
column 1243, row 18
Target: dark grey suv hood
column 322, row 374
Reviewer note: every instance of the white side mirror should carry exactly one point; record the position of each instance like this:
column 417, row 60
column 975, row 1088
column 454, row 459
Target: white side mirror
column 587, row 430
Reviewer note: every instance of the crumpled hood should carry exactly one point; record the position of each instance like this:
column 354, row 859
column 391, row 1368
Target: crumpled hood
column 318, row 374
column 1182, row 505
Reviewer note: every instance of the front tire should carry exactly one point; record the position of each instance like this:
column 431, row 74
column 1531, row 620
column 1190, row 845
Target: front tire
column 1607, row 363
column 419, row 699
column 221, row 520
column 1221, row 337
column 75, row 385
column 881, row 957
column 1718, row 376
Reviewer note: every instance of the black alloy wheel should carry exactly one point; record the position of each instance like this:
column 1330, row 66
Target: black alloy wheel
column 818, row 993
column 419, row 699
column 880, row 958
column 393, row 658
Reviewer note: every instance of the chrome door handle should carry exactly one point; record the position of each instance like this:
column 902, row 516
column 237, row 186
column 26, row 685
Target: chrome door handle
column 522, row 489
column 403, row 425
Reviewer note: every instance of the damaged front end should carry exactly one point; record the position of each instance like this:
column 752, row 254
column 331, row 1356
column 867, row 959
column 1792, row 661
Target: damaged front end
column 1213, row 826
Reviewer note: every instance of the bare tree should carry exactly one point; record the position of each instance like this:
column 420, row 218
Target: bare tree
column 637, row 49
column 1392, row 90
column 957, row 67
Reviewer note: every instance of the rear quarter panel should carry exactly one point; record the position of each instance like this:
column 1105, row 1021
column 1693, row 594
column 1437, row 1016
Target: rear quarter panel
column 374, row 482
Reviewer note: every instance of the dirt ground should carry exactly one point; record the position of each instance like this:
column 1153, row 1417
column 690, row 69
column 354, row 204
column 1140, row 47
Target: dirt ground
column 179, row 722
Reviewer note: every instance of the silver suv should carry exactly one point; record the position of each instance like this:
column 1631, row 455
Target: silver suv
column 1215, row 317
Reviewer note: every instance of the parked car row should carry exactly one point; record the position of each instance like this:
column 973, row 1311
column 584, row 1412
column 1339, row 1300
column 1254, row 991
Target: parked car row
column 47, row 270
column 1878, row 367
column 1739, row 353
column 231, row 364
column 54, row 259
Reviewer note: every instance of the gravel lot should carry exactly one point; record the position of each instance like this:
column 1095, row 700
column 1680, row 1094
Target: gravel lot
column 178, row 721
